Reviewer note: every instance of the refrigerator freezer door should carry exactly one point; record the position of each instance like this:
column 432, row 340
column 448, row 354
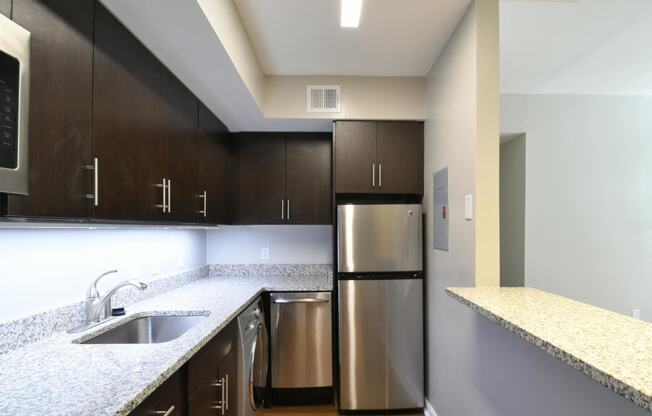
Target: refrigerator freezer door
column 381, row 344
column 379, row 238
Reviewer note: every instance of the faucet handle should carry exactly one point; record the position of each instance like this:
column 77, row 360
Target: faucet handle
column 92, row 289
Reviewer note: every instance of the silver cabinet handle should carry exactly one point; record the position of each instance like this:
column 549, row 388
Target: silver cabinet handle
column 164, row 186
column 221, row 383
column 302, row 300
column 96, row 185
column 373, row 175
column 169, row 195
column 203, row 196
column 282, row 209
column 380, row 175
column 288, row 210
column 164, row 412
column 227, row 392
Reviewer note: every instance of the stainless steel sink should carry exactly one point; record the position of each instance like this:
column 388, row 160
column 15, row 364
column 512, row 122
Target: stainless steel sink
column 148, row 330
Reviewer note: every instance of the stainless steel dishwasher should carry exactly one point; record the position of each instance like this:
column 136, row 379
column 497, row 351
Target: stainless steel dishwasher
column 302, row 348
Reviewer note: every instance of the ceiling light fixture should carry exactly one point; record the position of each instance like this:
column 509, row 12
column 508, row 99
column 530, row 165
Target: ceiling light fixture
column 351, row 13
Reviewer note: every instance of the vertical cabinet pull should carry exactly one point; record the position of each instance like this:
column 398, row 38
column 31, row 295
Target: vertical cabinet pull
column 169, row 195
column 227, row 392
column 164, row 187
column 288, row 210
column 373, row 175
column 96, row 184
column 223, row 385
column 380, row 175
column 282, row 209
column 203, row 196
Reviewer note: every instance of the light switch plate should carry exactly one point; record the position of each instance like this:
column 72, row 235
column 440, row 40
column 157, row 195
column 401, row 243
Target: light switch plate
column 636, row 313
column 468, row 207
column 264, row 253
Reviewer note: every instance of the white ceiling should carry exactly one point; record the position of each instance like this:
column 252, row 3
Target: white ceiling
column 576, row 47
column 304, row 37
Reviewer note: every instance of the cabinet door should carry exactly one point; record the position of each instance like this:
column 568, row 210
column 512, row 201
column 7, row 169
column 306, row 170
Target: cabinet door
column 400, row 157
column 126, row 135
column 228, row 373
column 168, row 397
column 213, row 167
column 260, row 179
column 309, row 178
column 180, row 135
column 355, row 157
column 60, row 107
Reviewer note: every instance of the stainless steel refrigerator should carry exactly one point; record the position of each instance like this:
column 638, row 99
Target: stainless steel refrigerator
column 380, row 288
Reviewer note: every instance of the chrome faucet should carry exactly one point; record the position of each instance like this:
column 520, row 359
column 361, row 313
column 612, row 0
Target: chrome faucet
column 98, row 308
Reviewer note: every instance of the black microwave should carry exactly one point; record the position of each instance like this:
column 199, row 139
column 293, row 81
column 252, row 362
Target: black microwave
column 14, row 107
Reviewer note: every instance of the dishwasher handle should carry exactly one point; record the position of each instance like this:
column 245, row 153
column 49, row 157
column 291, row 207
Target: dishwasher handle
column 301, row 300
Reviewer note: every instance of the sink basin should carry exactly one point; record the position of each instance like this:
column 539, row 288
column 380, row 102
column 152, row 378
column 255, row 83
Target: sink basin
column 148, row 330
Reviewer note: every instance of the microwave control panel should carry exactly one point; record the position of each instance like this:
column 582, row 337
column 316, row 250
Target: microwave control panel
column 9, row 74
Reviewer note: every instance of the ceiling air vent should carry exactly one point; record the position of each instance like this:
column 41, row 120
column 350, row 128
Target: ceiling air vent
column 323, row 98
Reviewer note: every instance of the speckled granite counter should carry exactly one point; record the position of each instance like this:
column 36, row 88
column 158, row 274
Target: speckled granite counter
column 612, row 349
column 56, row 376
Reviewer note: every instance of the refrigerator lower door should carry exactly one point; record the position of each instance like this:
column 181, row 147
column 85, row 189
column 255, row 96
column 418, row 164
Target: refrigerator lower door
column 381, row 344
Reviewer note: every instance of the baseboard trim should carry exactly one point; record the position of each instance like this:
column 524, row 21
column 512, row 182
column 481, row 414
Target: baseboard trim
column 428, row 410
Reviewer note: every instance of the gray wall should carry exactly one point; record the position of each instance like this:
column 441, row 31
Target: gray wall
column 475, row 368
column 588, row 196
column 512, row 210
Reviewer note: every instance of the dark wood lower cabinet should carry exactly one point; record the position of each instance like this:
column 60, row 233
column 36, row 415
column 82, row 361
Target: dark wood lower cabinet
column 60, row 108
column 213, row 376
column 206, row 386
column 170, row 397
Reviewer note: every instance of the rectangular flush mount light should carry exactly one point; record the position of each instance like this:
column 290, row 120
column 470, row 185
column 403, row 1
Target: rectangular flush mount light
column 351, row 13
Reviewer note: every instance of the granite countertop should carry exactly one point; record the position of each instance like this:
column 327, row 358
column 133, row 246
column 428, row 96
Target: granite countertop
column 612, row 349
column 56, row 376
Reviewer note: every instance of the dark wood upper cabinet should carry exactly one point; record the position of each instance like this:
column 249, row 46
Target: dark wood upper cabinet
column 260, row 179
column 179, row 130
column 309, row 178
column 126, row 124
column 400, row 157
column 384, row 157
column 60, row 108
column 283, row 178
column 5, row 7
column 355, row 156
column 213, row 168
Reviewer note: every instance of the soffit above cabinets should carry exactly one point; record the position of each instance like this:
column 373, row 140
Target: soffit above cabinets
column 304, row 37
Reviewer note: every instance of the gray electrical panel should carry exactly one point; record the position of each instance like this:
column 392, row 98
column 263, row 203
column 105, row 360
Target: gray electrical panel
column 440, row 207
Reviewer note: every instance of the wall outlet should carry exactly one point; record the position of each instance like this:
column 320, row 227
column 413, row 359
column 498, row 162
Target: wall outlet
column 636, row 313
column 264, row 253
